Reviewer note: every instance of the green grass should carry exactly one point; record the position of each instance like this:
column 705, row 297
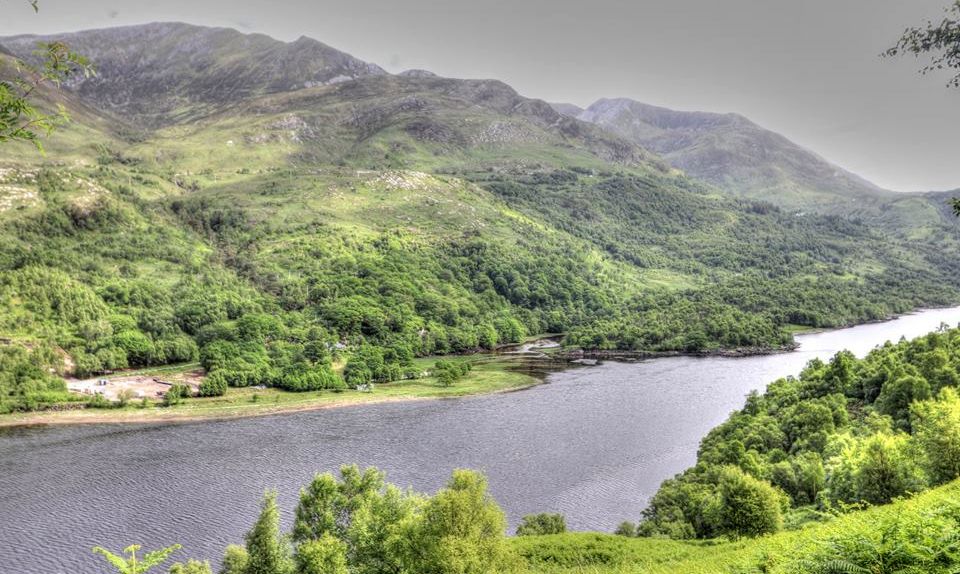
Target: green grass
column 488, row 375
column 595, row 553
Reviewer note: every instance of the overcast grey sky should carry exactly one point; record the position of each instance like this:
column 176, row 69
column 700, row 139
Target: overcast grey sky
column 806, row 68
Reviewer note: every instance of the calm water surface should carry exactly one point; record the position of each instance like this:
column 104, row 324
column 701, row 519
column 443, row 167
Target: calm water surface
column 593, row 443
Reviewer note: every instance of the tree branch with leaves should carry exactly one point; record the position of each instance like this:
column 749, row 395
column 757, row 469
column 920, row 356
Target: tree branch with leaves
column 20, row 118
column 942, row 42
column 939, row 40
column 130, row 565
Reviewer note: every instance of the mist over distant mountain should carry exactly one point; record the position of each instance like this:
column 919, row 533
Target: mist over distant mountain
column 732, row 152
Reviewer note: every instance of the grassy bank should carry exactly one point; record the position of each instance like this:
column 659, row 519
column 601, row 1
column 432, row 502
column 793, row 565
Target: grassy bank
column 487, row 376
column 874, row 534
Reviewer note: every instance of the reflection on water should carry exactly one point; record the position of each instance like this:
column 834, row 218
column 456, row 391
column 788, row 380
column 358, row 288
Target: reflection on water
column 593, row 443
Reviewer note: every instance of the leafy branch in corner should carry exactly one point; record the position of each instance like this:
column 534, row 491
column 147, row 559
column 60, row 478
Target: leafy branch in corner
column 941, row 41
column 20, row 118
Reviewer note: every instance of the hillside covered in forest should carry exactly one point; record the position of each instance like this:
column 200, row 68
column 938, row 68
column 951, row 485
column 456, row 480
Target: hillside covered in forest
column 287, row 215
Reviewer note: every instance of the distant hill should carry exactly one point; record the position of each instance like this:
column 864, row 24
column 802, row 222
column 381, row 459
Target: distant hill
column 731, row 152
column 746, row 160
column 570, row 110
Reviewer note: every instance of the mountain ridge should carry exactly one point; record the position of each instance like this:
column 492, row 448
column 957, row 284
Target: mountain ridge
column 163, row 71
column 730, row 151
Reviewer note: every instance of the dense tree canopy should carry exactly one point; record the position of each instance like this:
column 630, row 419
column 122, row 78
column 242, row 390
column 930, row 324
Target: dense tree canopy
column 846, row 432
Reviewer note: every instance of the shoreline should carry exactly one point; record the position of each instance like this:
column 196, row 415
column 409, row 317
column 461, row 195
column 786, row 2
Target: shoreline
column 515, row 367
column 515, row 380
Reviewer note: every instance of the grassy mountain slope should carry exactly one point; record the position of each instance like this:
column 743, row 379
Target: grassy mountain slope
column 409, row 214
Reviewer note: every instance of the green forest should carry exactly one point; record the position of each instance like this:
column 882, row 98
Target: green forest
column 324, row 238
column 845, row 434
column 269, row 281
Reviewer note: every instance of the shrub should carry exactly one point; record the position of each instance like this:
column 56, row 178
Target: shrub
column 626, row 528
column 213, row 385
column 746, row 506
column 542, row 524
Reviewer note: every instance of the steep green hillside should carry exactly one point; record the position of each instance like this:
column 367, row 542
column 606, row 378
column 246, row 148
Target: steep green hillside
column 845, row 433
column 310, row 236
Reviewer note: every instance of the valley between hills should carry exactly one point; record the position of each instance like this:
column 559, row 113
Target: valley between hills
column 233, row 225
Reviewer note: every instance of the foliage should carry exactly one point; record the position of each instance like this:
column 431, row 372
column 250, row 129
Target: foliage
column 542, row 524
column 191, row 567
column 130, row 564
column 911, row 542
column 20, row 118
column 266, row 548
column 846, row 432
column 941, row 41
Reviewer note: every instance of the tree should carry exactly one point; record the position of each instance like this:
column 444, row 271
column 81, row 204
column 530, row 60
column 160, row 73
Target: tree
column 267, row 551
column 213, row 385
column 124, row 396
column 235, row 560
column 936, row 429
column 449, row 372
column 542, row 524
column 20, row 119
column 130, row 564
column 941, row 41
column 326, row 555
column 897, row 395
column 626, row 528
column 191, row 567
column 459, row 531
column 746, row 506
column 874, row 469
column 360, row 512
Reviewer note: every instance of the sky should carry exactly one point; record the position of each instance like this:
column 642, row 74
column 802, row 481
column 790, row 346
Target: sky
column 809, row 69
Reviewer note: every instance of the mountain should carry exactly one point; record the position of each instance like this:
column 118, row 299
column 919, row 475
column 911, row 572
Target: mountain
column 746, row 160
column 733, row 153
column 570, row 110
column 398, row 215
column 162, row 73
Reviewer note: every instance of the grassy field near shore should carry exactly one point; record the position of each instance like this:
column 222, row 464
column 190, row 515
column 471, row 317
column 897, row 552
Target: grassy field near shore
column 488, row 375
column 869, row 541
